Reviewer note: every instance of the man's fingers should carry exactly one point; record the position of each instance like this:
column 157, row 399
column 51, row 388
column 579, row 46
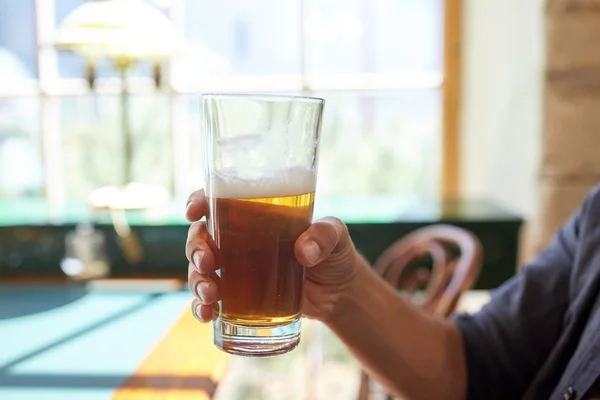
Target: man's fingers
column 197, row 206
column 202, row 286
column 202, row 312
column 199, row 248
column 320, row 240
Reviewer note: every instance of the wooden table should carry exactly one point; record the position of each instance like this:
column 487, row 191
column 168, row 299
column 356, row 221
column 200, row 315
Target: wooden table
column 131, row 341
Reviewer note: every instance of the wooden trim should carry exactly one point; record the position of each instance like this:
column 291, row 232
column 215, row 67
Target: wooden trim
column 451, row 98
column 184, row 365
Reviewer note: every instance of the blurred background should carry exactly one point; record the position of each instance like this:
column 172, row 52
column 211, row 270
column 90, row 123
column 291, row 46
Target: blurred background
column 380, row 67
column 477, row 113
column 427, row 99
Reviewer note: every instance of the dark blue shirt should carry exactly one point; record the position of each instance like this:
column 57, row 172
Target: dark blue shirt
column 539, row 337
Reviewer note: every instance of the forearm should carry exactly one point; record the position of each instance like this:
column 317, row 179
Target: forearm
column 413, row 354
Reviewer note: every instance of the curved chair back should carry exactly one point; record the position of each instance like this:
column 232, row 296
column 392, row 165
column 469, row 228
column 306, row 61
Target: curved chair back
column 456, row 256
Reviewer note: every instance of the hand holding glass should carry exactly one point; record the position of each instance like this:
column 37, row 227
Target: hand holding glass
column 261, row 155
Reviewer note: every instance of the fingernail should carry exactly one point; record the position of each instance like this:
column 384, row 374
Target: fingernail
column 196, row 311
column 187, row 206
column 200, row 289
column 312, row 252
column 197, row 259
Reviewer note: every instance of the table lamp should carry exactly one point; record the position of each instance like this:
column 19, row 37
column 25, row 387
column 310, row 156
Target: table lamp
column 124, row 32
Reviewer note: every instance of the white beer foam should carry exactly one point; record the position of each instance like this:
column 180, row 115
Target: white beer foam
column 288, row 182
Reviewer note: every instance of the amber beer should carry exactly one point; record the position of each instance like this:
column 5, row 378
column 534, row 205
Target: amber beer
column 261, row 281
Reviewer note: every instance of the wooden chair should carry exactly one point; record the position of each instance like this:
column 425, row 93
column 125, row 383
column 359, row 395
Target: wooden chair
column 455, row 255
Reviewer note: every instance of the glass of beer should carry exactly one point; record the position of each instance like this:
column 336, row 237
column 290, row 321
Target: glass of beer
column 261, row 156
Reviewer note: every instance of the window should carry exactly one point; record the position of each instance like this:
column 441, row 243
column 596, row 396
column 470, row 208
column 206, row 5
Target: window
column 378, row 63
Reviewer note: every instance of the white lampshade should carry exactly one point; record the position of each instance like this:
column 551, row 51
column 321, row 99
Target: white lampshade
column 129, row 29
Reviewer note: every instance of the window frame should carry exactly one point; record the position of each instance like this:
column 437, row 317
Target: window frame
column 49, row 87
column 451, row 103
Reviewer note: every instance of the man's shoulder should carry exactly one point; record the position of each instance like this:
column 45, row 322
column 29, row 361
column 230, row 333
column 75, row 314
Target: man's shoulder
column 591, row 204
column 595, row 192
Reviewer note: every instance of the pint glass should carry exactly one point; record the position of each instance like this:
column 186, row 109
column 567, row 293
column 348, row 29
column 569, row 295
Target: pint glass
column 261, row 155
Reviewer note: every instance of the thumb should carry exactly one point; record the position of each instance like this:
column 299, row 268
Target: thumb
column 322, row 239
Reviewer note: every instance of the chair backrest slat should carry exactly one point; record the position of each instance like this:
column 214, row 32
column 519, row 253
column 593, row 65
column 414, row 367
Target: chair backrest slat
column 450, row 276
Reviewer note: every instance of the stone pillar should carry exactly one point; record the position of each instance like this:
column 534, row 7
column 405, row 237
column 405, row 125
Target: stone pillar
column 570, row 162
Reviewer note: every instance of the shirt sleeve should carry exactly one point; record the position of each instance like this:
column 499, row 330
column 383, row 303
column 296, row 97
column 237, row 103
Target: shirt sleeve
column 510, row 338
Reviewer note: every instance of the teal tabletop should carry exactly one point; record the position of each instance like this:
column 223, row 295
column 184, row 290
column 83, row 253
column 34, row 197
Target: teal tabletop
column 72, row 342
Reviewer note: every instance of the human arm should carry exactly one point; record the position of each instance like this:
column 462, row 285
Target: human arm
column 493, row 354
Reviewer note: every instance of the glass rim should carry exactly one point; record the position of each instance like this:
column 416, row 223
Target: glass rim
column 262, row 97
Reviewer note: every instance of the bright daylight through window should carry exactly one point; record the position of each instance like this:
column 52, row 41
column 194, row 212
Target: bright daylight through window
column 378, row 64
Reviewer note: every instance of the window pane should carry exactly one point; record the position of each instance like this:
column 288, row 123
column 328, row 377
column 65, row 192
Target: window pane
column 71, row 65
column 389, row 36
column 93, row 142
column 381, row 143
column 407, row 35
column 152, row 163
column 21, row 171
column 240, row 37
column 18, row 55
